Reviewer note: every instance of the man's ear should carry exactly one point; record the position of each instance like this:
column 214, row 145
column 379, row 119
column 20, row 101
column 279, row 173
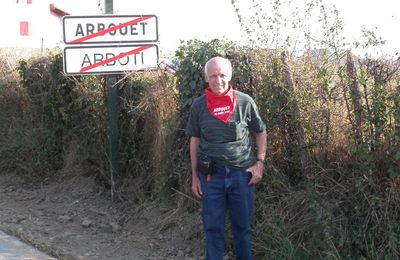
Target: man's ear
column 205, row 77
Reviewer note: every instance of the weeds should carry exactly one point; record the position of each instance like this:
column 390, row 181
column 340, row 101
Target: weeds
column 346, row 207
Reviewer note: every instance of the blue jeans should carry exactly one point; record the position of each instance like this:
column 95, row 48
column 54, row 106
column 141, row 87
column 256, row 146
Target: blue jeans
column 228, row 190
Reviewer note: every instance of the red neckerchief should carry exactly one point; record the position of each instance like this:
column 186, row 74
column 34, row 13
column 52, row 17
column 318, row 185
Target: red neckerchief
column 221, row 106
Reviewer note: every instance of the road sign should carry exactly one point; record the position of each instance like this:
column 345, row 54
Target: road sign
column 110, row 29
column 111, row 59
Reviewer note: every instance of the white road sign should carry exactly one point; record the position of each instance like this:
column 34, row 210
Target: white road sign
column 109, row 59
column 110, row 29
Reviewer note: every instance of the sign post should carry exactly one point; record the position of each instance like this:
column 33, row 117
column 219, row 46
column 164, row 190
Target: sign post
column 113, row 112
column 110, row 44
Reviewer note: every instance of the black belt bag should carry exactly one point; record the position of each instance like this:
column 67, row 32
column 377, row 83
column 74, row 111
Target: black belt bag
column 205, row 165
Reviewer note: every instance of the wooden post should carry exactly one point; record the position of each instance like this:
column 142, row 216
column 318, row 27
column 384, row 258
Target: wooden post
column 298, row 128
column 355, row 97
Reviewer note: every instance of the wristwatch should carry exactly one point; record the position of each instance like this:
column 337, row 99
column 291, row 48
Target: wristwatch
column 260, row 160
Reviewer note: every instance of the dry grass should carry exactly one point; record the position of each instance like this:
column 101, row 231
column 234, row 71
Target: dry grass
column 347, row 207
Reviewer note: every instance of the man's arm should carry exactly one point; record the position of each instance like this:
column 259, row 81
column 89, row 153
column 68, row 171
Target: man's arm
column 261, row 144
column 196, row 185
column 258, row 168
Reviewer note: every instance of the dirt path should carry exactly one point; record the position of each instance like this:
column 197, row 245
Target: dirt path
column 74, row 218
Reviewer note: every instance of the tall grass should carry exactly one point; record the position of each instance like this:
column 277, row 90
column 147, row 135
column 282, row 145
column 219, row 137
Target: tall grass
column 345, row 208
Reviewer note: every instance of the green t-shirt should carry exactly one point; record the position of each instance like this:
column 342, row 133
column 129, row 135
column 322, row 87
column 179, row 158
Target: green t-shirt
column 226, row 143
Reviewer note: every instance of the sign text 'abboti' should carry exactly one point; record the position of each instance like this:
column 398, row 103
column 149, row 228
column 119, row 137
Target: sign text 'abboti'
column 109, row 59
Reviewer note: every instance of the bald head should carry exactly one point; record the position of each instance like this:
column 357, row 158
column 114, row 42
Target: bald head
column 218, row 73
column 223, row 63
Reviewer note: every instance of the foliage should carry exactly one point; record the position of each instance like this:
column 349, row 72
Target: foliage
column 346, row 208
column 147, row 115
column 342, row 209
column 56, row 111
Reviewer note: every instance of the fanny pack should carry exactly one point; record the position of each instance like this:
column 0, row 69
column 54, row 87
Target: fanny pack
column 205, row 165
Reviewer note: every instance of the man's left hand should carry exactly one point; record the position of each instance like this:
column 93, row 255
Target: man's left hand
column 256, row 172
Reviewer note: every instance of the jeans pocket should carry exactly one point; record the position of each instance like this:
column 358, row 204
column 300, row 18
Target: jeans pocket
column 247, row 176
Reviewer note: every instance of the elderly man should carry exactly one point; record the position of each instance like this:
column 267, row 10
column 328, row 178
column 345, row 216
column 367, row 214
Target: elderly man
column 224, row 169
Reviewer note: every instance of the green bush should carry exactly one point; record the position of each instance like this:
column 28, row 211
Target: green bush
column 346, row 208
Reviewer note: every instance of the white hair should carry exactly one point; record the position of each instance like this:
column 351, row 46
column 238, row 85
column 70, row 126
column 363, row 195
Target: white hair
column 223, row 62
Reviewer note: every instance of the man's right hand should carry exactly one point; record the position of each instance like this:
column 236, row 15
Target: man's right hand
column 196, row 186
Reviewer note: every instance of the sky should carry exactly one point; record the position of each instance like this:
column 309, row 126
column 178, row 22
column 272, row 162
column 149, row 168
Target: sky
column 208, row 19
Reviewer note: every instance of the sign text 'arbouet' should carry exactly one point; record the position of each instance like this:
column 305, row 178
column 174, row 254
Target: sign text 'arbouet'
column 110, row 29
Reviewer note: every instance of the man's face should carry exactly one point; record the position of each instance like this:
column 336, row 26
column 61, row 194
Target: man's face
column 218, row 77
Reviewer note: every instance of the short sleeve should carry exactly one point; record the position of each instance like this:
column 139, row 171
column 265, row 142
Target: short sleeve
column 256, row 125
column 192, row 127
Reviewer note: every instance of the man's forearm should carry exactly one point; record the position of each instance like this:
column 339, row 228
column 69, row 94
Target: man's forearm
column 194, row 144
column 261, row 144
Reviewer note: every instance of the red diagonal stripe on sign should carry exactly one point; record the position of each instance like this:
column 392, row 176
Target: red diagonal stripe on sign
column 114, row 28
column 122, row 55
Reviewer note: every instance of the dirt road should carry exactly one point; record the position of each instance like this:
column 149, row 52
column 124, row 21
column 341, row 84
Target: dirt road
column 73, row 218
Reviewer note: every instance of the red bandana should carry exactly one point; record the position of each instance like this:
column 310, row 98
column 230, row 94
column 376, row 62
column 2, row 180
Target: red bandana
column 221, row 106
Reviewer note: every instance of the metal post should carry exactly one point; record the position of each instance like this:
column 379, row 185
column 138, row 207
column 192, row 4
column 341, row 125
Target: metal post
column 109, row 6
column 113, row 112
